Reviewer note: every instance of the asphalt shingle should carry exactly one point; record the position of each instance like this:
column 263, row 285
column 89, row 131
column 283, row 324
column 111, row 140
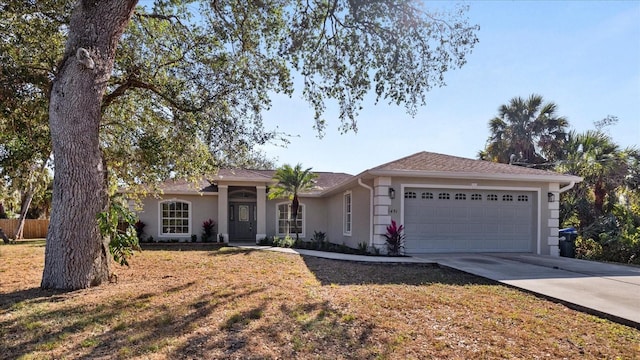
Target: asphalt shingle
column 433, row 162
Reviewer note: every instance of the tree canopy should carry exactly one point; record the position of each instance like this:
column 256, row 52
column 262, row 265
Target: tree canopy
column 139, row 94
column 606, row 169
column 191, row 78
column 527, row 131
column 26, row 70
column 604, row 206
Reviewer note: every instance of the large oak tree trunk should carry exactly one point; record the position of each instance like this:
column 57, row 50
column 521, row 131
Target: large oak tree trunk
column 76, row 256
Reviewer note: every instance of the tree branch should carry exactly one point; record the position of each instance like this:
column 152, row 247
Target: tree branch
column 133, row 82
column 168, row 18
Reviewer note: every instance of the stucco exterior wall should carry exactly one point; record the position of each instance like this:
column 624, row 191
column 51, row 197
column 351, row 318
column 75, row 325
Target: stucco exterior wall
column 203, row 207
column 327, row 214
column 333, row 214
column 315, row 218
column 360, row 217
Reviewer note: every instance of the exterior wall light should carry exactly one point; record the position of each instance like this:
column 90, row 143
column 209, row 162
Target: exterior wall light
column 392, row 193
column 551, row 197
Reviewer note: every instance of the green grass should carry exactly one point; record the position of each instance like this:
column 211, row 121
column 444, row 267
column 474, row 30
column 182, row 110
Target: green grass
column 219, row 302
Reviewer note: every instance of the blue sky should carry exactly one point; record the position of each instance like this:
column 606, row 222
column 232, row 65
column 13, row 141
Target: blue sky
column 582, row 55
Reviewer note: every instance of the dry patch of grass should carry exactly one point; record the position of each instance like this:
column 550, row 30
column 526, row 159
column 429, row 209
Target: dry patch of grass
column 213, row 303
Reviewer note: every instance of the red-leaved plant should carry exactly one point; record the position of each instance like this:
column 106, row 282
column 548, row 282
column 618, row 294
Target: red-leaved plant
column 207, row 230
column 395, row 239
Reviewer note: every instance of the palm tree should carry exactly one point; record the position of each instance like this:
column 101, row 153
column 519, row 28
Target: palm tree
column 290, row 182
column 528, row 129
column 604, row 166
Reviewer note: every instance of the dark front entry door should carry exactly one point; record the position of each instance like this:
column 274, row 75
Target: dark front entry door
column 242, row 221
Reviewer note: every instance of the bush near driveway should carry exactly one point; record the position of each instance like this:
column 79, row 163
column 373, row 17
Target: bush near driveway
column 247, row 304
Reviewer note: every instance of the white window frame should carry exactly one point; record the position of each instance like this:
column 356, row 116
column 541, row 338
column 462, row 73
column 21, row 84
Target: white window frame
column 347, row 213
column 161, row 232
column 304, row 222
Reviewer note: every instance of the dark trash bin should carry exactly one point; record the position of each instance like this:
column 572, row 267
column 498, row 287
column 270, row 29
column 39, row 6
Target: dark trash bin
column 567, row 242
column 4, row 237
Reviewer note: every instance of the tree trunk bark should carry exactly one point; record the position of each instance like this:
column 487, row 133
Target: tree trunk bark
column 76, row 256
column 26, row 203
column 599, row 192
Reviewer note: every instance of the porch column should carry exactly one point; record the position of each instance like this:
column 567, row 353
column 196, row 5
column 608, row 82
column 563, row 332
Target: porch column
column 223, row 212
column 261, row 213
column 381, row 216
column 553, row 221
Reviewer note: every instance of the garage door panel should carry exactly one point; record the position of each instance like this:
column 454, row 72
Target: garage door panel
column 443, row 213
column 476, row 212
column 469, row 220
column 460, row 212
column 443, row 228
column 491, row 228
column 510, row 229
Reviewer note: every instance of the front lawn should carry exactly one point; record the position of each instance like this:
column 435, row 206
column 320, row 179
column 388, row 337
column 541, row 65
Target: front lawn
column 214, row 303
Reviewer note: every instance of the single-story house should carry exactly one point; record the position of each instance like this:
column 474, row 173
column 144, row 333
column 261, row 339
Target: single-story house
column 446, row 204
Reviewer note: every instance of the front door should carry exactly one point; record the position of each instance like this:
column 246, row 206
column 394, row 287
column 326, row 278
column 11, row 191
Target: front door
column 242, row 221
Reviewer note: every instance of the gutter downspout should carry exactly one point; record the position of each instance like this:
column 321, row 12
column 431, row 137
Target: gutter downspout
column 568, row 187
column 370, row 209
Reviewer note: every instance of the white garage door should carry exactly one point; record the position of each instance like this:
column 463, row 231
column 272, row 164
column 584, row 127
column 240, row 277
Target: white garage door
column 446, row 220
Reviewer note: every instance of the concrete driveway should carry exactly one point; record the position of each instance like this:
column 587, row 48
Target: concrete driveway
column 607, row 290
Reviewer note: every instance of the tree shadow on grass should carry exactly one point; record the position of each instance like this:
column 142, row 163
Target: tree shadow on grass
column 340, row 272
column 32, row 295
column 214, row 249
column 122, row 326
column 28, row 242
column 293, row 330
column 181, row 246
column 232, row 250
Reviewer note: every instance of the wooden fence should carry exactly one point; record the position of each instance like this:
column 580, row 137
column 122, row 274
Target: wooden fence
column 33, row 229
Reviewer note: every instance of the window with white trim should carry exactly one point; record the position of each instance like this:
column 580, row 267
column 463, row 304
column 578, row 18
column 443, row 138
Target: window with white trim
column 460, row 196
column 507, row 197
column 492, row 197
column 175, row 217
column 285, row 225
column 347, row 210
column 523, row 198
column 476, row 196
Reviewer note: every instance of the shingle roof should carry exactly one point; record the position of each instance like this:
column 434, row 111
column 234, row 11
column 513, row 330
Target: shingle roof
column 419, row 164
column 245, row 174
column 424, row 161
column 325, row 180
column 177, row 186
